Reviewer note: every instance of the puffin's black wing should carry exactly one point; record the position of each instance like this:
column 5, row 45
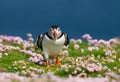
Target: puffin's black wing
column 39, row 41
column 66, row 39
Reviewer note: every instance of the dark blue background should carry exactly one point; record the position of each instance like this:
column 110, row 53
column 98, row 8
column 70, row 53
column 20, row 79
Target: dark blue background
column 100, row 18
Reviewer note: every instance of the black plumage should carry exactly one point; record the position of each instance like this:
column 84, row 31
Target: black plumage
column 40, row 38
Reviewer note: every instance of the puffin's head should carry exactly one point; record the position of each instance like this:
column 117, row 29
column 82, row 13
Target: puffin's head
column 55, row 32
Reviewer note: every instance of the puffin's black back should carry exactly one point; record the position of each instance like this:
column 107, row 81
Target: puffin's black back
column 39, row 41
column 67, row 39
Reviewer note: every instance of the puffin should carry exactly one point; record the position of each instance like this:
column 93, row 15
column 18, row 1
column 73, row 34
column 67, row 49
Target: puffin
column 51, row 44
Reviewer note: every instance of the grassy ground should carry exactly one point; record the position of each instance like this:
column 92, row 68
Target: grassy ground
column 13, row 60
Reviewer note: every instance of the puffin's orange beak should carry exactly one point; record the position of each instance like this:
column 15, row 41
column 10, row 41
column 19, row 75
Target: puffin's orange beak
column 55, row 34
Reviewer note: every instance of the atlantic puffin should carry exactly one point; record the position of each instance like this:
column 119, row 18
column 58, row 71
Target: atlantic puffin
column 51, row 43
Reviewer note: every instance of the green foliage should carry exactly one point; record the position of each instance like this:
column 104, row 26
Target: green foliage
column 6, row 62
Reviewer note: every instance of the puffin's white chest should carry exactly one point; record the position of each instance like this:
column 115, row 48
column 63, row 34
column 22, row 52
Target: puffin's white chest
column 52, row 47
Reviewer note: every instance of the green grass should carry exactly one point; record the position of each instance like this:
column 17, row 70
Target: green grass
column 63, row 73
column 6, row 62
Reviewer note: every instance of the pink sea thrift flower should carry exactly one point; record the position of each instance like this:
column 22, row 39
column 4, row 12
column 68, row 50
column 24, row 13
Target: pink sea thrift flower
column 76, row 46
column 33, row 75
column 1, row 40
column 1, row 49
column 98, row 67
column 94, row 42
column 87, row 36
column 29, row 35
column 113, row 75
column 30, row 40
column 79, row 41
column 112, row 42
column 38, row 58
column 65, row 47
column 92, row 67
column 72, row 41
column 101, row 42
column 8, row 38
column 31, row 59
column 108, row 52
column 90, row 49
column 105, row 67
column 65, row 52
column 96, row 48
column 27, row 44
column 63, row 67
column 17, row 40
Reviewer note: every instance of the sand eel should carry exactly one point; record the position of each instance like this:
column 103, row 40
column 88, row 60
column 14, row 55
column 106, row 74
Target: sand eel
column 52, row 42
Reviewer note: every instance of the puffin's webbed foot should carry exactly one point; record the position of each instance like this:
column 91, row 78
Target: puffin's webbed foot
column 47, row 64
column 58, row 61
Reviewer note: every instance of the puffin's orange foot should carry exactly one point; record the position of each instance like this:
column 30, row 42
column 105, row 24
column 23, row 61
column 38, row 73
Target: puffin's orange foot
column 48, row 66
column 58, row 61
column 58, row 64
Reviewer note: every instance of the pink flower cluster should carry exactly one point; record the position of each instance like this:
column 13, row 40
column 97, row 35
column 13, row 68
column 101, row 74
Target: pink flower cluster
column 87, row 36
column 88, row 63
column 91, row 64
column 18, row 40
column 92, row 67
column 50, row 77
column 38, row 58
column 93, row 48
column 5, row 48
column 73, row 41
column 65, row 53
column 109, row 52
column 76, row 46
column 35, row 57
column 53, row 78
column 25, row 69
column 110, row 43
column 5, row 37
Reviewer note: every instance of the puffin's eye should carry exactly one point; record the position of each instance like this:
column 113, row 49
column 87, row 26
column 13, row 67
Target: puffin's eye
column 50, row 29
column 58, row 29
